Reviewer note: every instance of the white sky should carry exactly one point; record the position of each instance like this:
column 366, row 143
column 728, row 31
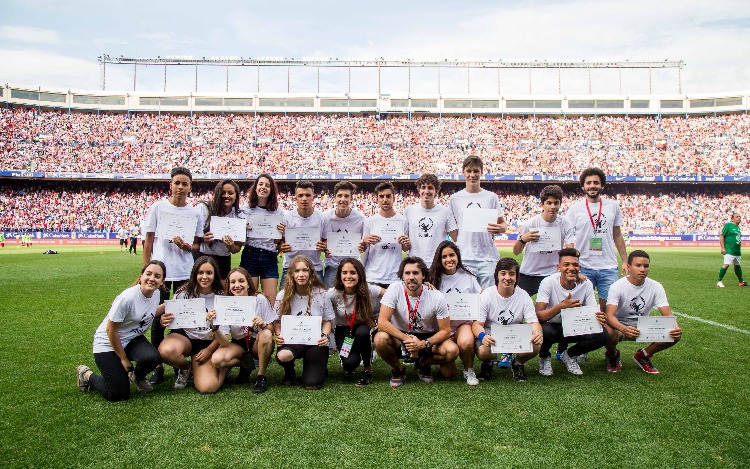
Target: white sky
column 55, row 43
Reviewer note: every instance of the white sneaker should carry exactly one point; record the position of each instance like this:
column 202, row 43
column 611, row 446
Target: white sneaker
column 571, row 364
column 141, row 386
column 719, row 284
column 182, row 378
column 582, row 358
column 471, row 377
column 374, row 356
column 545, row 366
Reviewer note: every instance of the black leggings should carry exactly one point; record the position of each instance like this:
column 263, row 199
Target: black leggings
column 133, row 245
column 361, row 348
column 553, row 333
column 113, row 384
column 314, row 363
column 157, row 330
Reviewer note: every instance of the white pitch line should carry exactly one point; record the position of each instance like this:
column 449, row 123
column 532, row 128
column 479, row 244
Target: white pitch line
column 713, row 323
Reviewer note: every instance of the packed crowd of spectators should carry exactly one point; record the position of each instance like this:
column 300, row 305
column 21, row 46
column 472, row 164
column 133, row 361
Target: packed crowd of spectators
column 70, row 206
column 248, row 144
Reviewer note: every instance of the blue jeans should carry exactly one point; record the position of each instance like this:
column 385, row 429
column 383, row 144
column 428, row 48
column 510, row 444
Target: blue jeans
column 484, row 270
column 602, row 279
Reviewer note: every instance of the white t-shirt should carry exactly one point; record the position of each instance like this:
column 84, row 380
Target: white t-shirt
column 475, row 246
column 495, row 309
column 636, row 300
column 552, row 293
column 292, row 219
column 432, row 306
column 122, row 233
column 427, row 229
column 204, row 332
column 263, row 310
column 381, row 260
column 267, row 244
column 320, row 305
column 583, row 231
column 544, row 263
column 217, row 247
column 343, row 309
column 353, row 223
column 178, row 262
column 134, row 311
column 460, row 282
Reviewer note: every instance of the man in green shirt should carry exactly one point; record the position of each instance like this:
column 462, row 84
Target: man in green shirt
column 731, row 243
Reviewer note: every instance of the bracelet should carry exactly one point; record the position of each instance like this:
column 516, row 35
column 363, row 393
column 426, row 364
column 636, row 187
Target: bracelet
column 481, row 336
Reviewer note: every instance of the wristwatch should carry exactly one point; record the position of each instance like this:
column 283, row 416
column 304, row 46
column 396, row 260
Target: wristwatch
column 427, row 344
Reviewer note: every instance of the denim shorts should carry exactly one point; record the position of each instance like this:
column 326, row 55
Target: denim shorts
column 602, row 279
column 259, row 262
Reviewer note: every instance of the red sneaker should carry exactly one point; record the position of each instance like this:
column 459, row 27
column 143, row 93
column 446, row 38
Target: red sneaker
column 642, row 360
column 743, row 284
column 614, row 365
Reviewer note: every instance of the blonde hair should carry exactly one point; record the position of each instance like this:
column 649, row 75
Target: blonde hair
column 313, row 283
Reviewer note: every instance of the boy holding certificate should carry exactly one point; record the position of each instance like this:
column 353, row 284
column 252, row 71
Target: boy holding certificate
column 505, row 305
column 429, row 222
column 631, row 298
column 342, row 219
column 560, row 292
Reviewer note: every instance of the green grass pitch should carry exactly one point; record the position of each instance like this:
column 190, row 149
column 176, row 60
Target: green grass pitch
column 694, row 414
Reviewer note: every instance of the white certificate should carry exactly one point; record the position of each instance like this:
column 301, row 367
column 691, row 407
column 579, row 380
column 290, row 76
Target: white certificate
column 188, row 314
column 515, row 338
column 302, row 238
column 236, row 228
column 655, row 328
column 171, row 224
column 234, row 310
column 463, row 306
column 304, row 330
column 477, row 219
column 549, row 240
column 264, row 226
column 388, row 230
column 341, row 243
column 580, row 321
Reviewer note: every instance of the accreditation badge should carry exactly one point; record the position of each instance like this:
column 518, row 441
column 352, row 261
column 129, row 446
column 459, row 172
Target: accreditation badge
column 346, row 347
column 595, row 246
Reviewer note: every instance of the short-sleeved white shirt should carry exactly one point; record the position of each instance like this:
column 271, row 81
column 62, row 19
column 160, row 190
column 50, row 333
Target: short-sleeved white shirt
column 353, row 223
column 552, row 293
column 475, row 246
column 636, row 300
column 583, row 231
column 178, row 262
column 495, row 309
column 432, row 306
column 263, row 310
column 343, row 309
column 217, row 247
column 460, row 282
column 134, row 311
column 267, row 244
column 544, row 263
column 381, row 260
column 292, row 219
column 427, row 229
column 320, row 305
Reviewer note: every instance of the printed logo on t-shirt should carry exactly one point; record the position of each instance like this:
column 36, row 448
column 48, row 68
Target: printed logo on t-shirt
column 601, row 227
column 425, row 224
column 388, row 246
column 143, row 324
column 416, row 322
column 506, row 317
column 637, row 304
column 454, row 289
column 472, row 203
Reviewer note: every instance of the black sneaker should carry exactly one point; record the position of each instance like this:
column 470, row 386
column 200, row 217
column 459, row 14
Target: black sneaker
column 364, row 379
column 424, row 372
column 519, row 374
column 157, row 377
column 243, row 377
column 290, row 379
column 261, row 384
column 398, row 377
column 485, row 371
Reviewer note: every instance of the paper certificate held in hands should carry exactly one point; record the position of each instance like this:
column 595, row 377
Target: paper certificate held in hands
column 343, row 244
column 301, row 330
column 549, row 240
column 515, row 338
column 655, row 328
column 463, row 306
column 477, row 219
column 188, row 314
column 171, row 224
column 236, row 228
column 302, row 238
column 234, row 310
column 388, row 230
column 263, row 226
column 580, row 321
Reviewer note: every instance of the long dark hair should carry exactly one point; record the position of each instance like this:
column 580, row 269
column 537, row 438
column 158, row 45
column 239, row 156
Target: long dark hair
column 273, row 197
column 362, row 293
column 190, row 288
column 214, row 206
column 436, row 269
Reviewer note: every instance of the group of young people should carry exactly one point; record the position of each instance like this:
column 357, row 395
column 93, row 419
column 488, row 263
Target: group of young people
column 385, row 303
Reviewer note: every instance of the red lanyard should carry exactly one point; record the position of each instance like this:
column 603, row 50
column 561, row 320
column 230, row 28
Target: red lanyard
column 354, row 312
column 599, row 217
column 412, row 316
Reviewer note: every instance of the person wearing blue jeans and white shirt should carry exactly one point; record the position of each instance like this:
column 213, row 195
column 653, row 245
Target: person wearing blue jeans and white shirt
column 479, row 251
column 342, row 218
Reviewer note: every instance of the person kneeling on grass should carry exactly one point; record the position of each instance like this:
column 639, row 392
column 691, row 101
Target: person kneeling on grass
column 247, row 342
column 119, row 340
column 414, row 321
column 560, row 291
column 505, row 305
column 629, row 298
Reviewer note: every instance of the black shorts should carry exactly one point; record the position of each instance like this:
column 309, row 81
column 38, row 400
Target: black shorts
column 247, row 345
column 123, row 242
column 196, row 345
column 421, row 336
